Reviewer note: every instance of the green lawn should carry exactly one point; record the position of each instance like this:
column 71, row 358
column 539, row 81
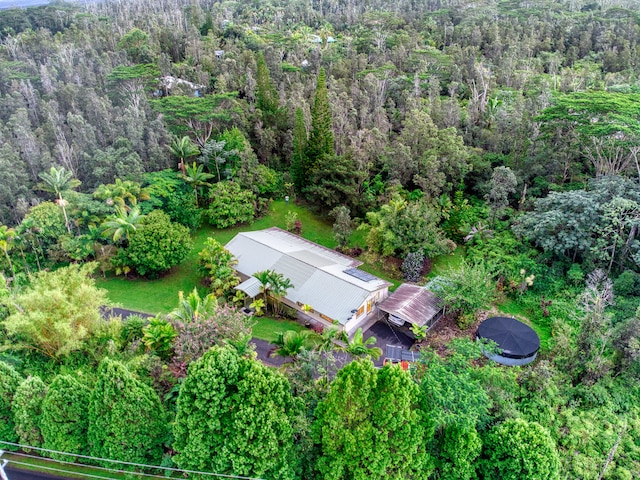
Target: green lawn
column 441, row 264
column 161, row 295
column 267, row 327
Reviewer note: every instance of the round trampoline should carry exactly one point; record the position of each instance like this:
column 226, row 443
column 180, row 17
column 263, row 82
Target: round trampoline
column 519, row 343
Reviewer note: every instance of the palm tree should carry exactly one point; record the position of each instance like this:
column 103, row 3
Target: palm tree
column 265, row 282
column 196, row 177
column 123, row 224
column 327, row 340
column 7, row 236
column 194, row 307
column 183, row 148
column 123, row 194
column 59, row 181
column 290, row 344
column 359, row 347
column 274, row 285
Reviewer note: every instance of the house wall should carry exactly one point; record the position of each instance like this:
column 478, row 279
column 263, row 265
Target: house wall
column 365, row 309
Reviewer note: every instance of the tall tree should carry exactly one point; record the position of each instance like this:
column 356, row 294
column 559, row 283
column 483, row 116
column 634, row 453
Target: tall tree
column 503, row 183
column 235, row 417
column 27, row 411
column 9, row 383
column 321, row 141
column 126, row 419
column 369, row 426
column 517, row 449
column 7, row 236
column 299, row 161
column 266, row 95
column 195, row 176
column 59, row 181
column 196, row 115
column 65, row 417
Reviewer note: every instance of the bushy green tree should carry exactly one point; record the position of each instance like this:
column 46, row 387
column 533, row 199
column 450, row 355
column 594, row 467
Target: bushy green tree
column 9, row 382
column 369, row 426
column 65, row 417
column 217, row 264
column 41, row 229
column 425, row 156
column 456, row 402
column 27, row 411
column 401, row 227
column 467, row 288
column 230, row 205
column 235, row 417
column 333, row 180
column 58, row 312
column 517, row 449
column 158, row 245
column 126, row 419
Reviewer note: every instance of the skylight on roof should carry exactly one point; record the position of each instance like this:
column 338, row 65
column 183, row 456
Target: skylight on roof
column 360, row 275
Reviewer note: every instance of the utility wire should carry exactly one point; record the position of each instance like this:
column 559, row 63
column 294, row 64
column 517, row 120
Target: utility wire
column 59, row 470
column 141, row 465
column 96, row 467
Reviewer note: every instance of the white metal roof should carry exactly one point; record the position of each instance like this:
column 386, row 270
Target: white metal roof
column 317, row 273
column 251, row 286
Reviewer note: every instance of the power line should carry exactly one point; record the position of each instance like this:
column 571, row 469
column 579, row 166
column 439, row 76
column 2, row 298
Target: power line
column 141, row 465
column 113, row 470
column 59, row 470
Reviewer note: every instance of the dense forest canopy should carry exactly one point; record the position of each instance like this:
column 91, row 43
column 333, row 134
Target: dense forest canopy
column 504, row 134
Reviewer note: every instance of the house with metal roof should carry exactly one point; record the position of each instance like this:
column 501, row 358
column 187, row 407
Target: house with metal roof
column 327, row 285
column 413, row 305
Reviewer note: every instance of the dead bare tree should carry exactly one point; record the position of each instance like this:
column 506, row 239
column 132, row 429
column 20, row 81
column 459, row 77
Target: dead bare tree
column 609, row 156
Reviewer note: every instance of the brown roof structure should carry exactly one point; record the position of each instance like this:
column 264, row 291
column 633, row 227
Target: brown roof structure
column 413, row 304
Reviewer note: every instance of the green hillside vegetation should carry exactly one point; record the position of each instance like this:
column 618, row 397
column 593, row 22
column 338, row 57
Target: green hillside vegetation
column 489, row 150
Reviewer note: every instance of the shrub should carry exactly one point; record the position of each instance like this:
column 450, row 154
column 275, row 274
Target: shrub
column 132, row 328
column 126, row 419
column 412, row 266
column 159, row 245
column 158, row 336
column 9, row 382
column 27, row 411
column 217, row 264
column 230, row 205
column 65, row 417
column 196, row 337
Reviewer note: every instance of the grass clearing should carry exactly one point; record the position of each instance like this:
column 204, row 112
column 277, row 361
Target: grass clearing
column 160, row 296
column 267, row 327
column 442, row 263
